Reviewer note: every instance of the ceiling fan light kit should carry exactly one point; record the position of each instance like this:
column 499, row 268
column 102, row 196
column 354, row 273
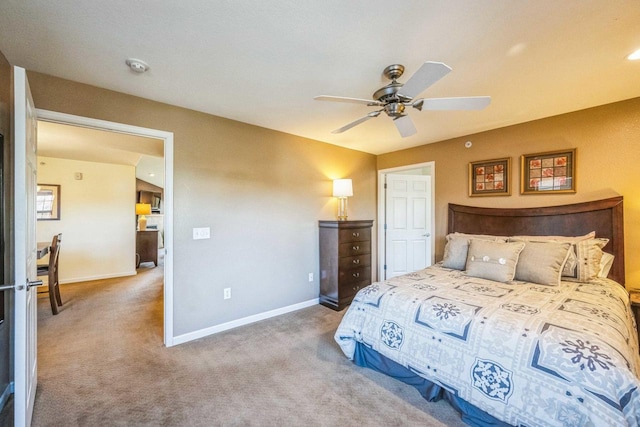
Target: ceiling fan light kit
column 395, row 97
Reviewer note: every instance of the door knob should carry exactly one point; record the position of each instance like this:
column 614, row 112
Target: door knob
column 34, row 283
column 30, row 284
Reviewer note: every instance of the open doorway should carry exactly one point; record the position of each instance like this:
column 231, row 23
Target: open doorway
column 406, row 203
column 144, row 140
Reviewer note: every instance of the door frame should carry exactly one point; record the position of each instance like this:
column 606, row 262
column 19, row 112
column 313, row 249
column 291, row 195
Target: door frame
column 167, row 137
column 382, row 218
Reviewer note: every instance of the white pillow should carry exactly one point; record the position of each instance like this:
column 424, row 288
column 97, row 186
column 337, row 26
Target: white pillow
column 589, row 253
column 605, row 264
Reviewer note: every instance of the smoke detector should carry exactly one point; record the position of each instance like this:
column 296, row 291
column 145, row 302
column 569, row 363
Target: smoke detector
column 137, row 65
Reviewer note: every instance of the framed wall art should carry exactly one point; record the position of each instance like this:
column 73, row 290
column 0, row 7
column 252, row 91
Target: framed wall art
column 490, row 177
column 551, row 172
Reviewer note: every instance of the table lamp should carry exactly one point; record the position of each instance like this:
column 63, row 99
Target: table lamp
column 142, row 209
column 342, row 188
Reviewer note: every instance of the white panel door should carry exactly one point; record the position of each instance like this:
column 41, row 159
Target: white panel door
column 408, row 222
column 25, row 168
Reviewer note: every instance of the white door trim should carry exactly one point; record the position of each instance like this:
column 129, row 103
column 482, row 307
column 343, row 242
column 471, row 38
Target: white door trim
column 382, row 211
column 167, row 137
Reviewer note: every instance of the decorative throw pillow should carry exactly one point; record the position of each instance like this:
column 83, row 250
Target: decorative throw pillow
column 569, row 269
column 457, row 246
column 493, row 260
column 542, row 262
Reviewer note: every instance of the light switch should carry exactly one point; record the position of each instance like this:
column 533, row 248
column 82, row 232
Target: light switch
column 201, row 233
column 78, row 175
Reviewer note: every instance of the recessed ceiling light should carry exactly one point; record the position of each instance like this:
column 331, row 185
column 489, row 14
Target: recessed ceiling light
column 152, row 174
column 137, row 65
column 634, row 56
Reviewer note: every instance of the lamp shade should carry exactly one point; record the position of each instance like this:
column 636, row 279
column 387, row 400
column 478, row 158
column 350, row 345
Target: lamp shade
column 143, row 209
column 342, row 188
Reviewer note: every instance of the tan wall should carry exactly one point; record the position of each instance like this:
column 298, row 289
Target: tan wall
column 261, row 192
column 607, row 139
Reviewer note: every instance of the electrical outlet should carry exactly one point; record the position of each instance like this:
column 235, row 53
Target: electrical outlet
column 227, row 293
column 201, row 233
column 311, row 277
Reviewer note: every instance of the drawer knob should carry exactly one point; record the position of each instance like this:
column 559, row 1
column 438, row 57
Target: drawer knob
column 356, row 248
column 356, row 234
column 356, row 261
column 355, row 288
column 356, row 274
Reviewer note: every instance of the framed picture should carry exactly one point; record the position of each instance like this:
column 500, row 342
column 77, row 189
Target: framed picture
column 490, row 177
column 551, row 172
column 48, row 202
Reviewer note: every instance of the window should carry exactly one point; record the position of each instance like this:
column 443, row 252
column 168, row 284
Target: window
column 48, row 202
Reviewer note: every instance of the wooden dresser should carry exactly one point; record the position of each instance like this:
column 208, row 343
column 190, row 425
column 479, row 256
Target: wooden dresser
column 345, row 261
column 146, row 247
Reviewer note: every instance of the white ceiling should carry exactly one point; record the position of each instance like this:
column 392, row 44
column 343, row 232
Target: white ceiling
column 91, row 145
column 262, row 62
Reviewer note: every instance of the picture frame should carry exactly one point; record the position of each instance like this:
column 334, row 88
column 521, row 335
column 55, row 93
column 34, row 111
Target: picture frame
column 48, row 202
column 550, row 172
column 490, row 177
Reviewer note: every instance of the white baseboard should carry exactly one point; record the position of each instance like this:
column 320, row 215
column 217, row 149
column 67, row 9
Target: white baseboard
column 5, row 395
column 181, row 339
column 98, row 277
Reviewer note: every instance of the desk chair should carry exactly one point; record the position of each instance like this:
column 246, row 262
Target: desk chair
column 51, row 270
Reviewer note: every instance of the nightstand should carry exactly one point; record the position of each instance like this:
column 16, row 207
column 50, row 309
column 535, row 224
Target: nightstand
column 635, row 306
column 147, row 247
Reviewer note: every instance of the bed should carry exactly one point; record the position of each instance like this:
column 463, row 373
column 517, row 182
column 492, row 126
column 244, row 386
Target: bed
column 517, row 335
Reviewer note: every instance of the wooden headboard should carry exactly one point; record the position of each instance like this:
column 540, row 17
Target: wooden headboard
column 602, row 216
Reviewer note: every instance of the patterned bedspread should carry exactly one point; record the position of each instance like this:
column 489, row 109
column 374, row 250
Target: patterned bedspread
column 527, row 354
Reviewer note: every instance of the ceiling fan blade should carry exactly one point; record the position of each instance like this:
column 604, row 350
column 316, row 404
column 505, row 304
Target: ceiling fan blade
column 371, row 115
column 461, row 103
column 405, row 126
column 427, row 74
column 345, row 99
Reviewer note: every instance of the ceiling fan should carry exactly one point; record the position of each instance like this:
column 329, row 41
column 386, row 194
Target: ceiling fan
column 395, row 97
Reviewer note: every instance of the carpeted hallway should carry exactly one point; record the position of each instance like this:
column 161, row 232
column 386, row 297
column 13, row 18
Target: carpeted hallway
column 102, row 363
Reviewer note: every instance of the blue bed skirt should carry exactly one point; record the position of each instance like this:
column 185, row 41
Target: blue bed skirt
column 367, row 357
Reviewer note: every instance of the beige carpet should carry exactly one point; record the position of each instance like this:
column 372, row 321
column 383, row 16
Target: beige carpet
column 102, row 363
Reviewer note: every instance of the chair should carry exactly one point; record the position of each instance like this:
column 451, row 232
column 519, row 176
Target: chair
column 51, row 270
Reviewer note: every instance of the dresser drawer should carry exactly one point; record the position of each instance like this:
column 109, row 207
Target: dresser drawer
column 350, row 289
column 354, row 275
column 355, row 261
column 355, row 234
column 354, row 248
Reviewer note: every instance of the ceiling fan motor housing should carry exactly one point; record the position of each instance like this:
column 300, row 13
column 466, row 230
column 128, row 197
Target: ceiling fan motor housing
column 388, row 93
